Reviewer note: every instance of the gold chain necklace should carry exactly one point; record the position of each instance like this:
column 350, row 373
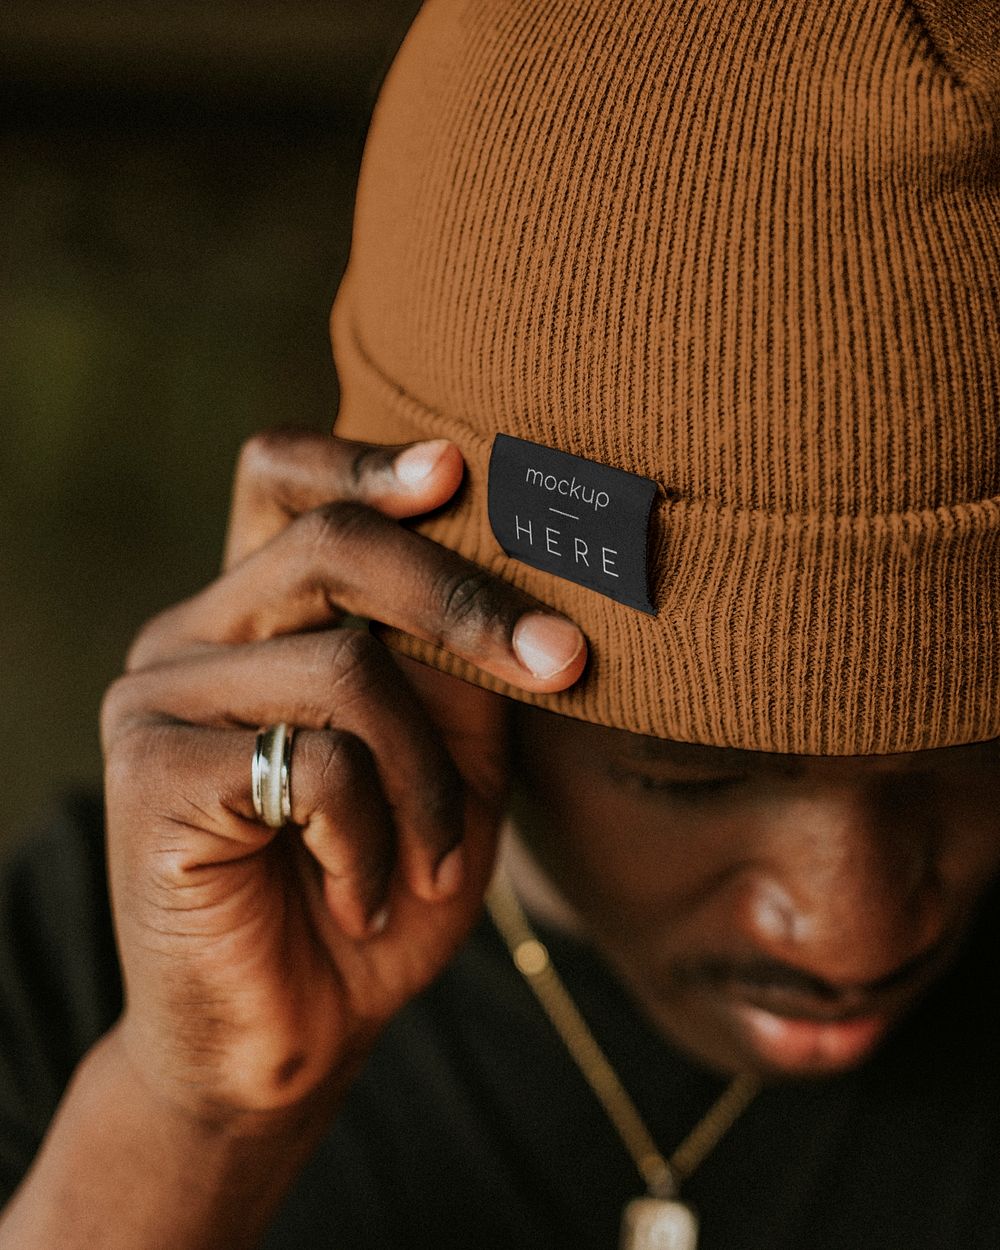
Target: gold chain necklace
column 657, row 1221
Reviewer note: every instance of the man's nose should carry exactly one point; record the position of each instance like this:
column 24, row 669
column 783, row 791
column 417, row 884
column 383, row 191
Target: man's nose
column 848, row 891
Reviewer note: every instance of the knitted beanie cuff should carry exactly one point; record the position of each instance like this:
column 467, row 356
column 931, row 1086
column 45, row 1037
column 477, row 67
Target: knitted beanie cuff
column 807, row 633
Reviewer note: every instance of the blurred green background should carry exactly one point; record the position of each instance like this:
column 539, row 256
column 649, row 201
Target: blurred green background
column 178, row 183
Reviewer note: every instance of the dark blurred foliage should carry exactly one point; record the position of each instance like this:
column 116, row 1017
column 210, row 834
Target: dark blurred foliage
column 178, row 183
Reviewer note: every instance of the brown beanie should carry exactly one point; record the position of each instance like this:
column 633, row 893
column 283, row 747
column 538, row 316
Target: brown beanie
column 747, row 250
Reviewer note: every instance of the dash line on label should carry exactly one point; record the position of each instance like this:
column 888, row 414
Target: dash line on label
column 561, row 513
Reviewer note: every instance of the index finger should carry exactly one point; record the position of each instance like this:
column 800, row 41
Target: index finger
column 283, row 473
column 344, row 557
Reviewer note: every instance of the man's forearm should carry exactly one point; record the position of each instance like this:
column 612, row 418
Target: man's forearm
column 118, row 1169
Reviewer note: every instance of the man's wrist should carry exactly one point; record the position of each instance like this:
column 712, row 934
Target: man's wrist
column 121, row 1162
column 198, row 1114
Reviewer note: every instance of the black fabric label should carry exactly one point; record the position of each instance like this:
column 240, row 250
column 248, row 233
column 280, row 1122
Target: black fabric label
column 572, row 517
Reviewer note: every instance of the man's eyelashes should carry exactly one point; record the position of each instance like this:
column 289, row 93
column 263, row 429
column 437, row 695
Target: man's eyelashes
column 688, row 789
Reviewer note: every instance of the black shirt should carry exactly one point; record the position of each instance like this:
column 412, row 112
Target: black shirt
column 471, row 1126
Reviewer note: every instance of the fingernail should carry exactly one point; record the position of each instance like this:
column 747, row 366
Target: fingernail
column 378, row 922
column 414, row 465
column 448, row 874
column 545, row 645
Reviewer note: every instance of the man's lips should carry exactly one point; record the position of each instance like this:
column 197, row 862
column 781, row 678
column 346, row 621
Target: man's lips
column 786, row 1003
column 802, row 1045
column 798, row 1024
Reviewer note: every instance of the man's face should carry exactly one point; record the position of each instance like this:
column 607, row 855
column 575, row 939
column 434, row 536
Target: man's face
column 772, row 913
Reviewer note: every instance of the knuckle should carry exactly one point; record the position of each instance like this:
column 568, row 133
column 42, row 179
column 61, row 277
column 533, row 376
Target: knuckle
column 351, row 661
column 127, row 759
column 364, row 462
column 260, row 452
column 326, row 529
column 117, row 703
column 343, row 761
column 469, row 602
column 343, row 666
column 333, row 539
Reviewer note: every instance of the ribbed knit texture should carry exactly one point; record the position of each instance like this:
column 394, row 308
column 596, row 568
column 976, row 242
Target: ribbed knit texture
column 752, row 251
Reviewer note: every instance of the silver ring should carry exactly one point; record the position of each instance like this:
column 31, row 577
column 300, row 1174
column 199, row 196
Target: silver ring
column 271, row 775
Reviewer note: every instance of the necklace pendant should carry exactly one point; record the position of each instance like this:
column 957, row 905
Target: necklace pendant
column 658, row 1224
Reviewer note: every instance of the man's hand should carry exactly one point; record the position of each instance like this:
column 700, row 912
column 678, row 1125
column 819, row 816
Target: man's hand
column 260, row 966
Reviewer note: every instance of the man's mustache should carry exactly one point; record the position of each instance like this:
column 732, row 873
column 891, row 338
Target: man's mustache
column 761, row 973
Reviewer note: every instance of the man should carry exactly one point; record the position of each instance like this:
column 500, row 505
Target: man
column 637, row 318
